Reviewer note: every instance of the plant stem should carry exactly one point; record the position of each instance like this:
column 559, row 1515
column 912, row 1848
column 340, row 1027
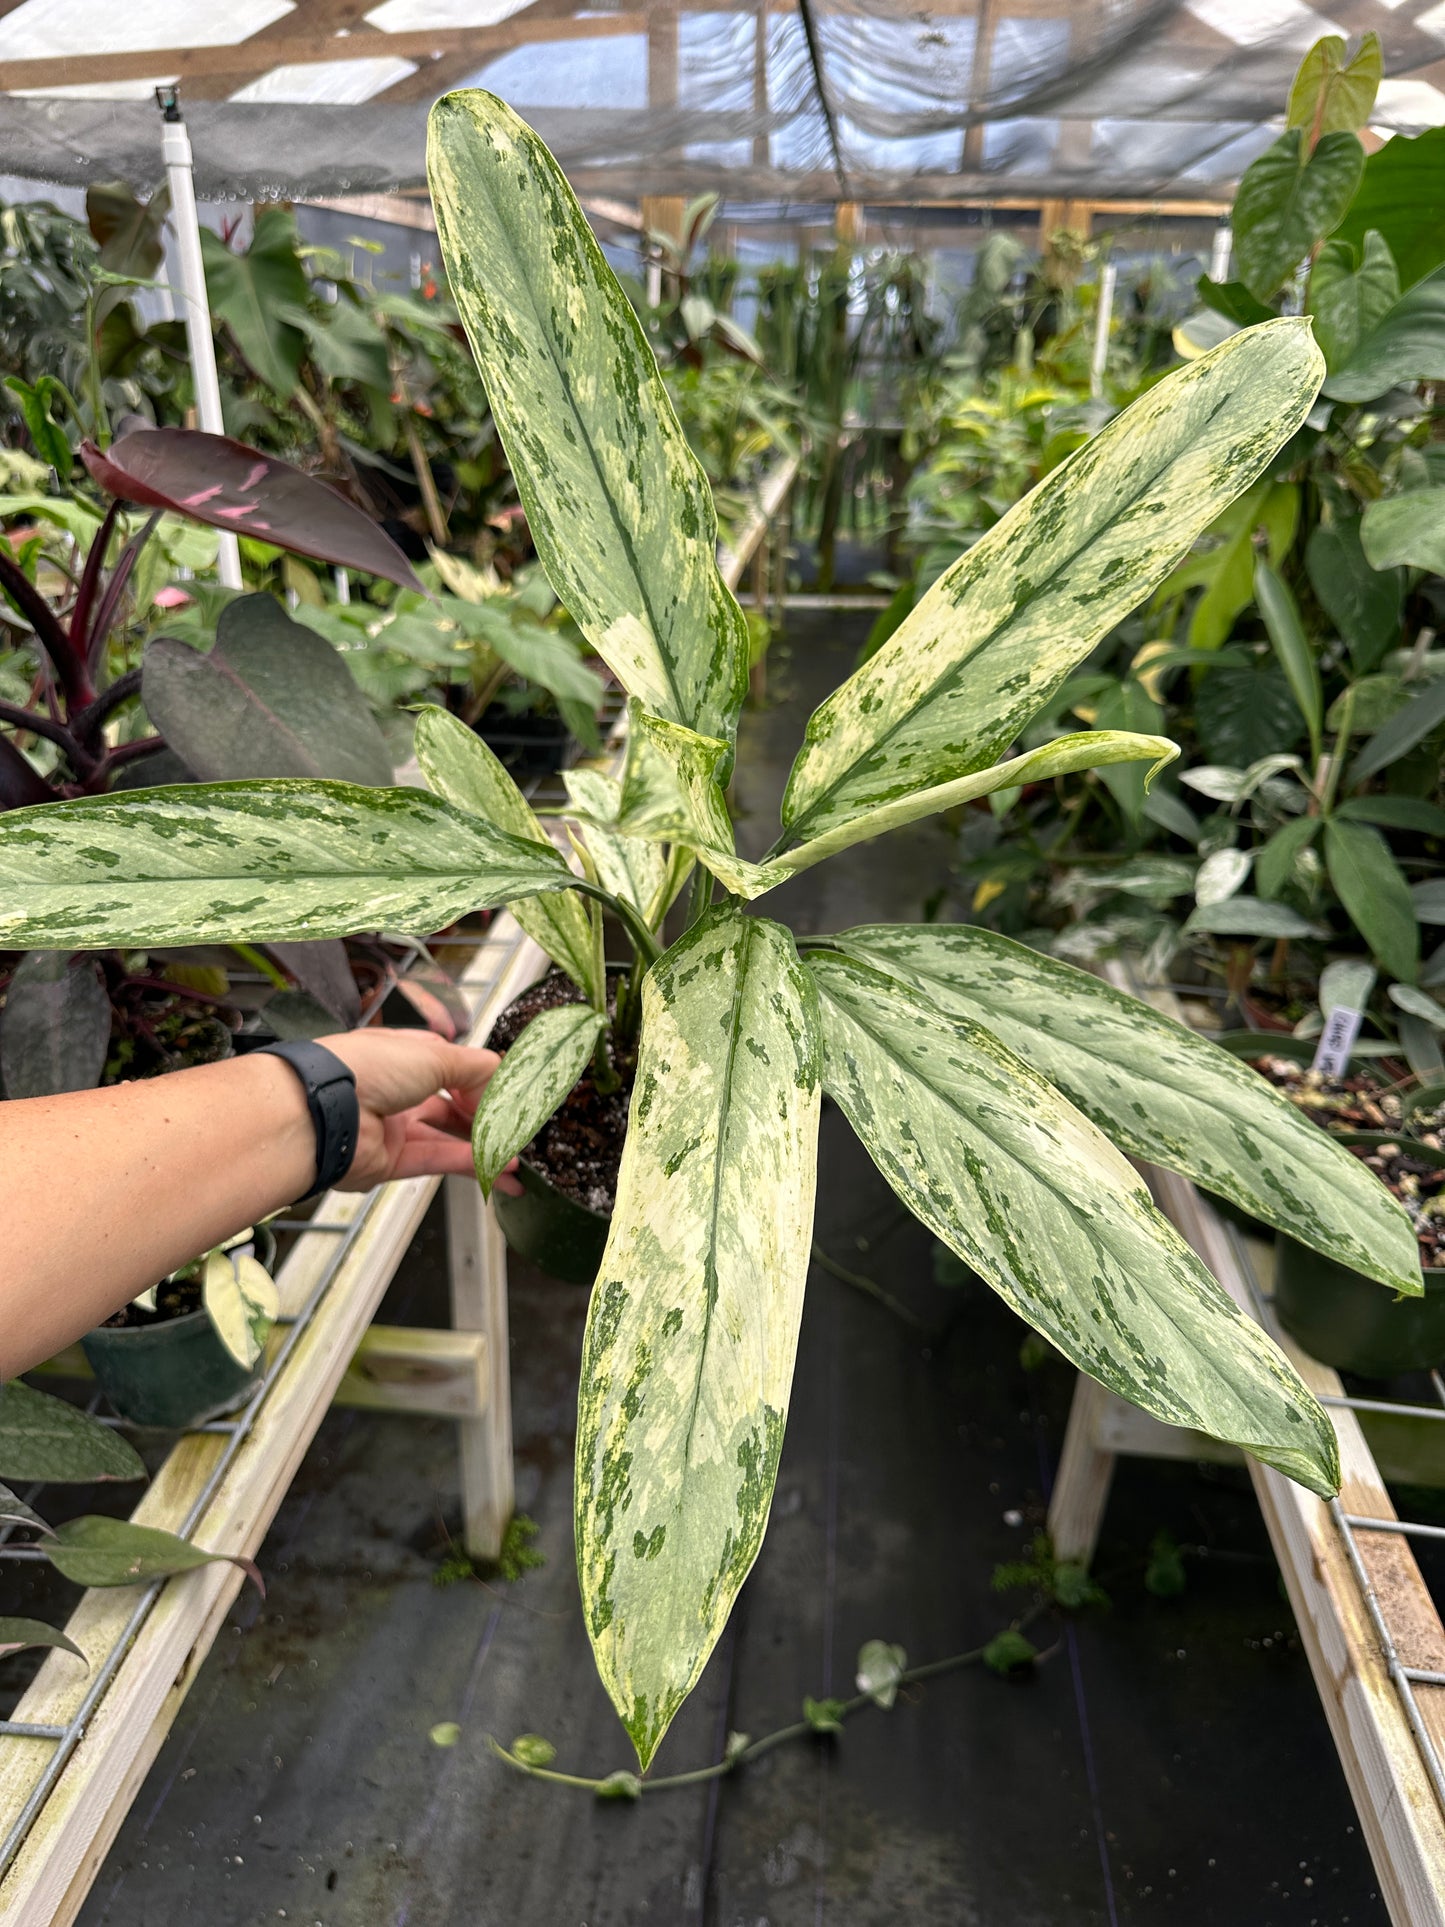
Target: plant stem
column 604, row 1071
column 701, row 899
column 632, row 920
column 862, row 1283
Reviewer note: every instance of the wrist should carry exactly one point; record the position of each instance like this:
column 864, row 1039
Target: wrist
column 328, row 1087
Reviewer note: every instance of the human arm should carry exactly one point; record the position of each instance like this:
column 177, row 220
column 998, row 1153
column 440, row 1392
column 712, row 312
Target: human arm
column 105, row 1192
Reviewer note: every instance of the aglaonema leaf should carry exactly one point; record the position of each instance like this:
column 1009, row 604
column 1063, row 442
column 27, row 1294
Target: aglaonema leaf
column 1021, row 1186
column 1157, row 1089
column 272, row 698
column 458, row 765
column 631, row 867
column 1289, row 198
column 44, row 1438
column 616, row 502
column 693, row 1326
column 55, row 1027
column 999, row 630
column 262, row 862
column 531, row 1081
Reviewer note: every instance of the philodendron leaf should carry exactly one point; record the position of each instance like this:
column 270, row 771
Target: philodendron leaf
column 263, row 861
column 616, row 501
column 458, row 765
column 1332, row 95
column 1288, row 200
column 1002, row 1168
column 44, row 1438
column 999, row 630
column 631, row 867
column 1406, row 344
column 693, row 1325
column 533, row 1078
column 1157, row 1089
column 1347, row 302
column 1372, row 888
column 242, row 1303
column 97, row 1551
column 272, row 698
column 1408, row 528
column 55, row 1027
column 18, row 1634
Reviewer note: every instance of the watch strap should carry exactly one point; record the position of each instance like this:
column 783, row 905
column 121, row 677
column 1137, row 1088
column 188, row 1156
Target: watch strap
column 330, row 1088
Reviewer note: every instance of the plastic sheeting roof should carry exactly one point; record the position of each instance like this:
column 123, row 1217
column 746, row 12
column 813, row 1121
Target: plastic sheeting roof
column 776, row 99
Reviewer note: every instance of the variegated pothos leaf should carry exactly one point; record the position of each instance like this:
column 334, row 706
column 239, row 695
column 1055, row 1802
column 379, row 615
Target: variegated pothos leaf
column 693, row 1325
column 458, row 765
column 266, row 862
column 617, row 503
column 1158, row 1090
column 241, row 1302
column 1001, row 1167
column 1001, row 628
column 531, row 1081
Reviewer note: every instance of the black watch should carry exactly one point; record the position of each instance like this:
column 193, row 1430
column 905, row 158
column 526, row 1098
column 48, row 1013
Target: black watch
column 330, row 1089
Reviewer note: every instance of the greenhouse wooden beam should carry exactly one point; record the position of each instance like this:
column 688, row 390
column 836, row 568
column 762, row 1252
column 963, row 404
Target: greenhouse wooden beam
column 239, row 59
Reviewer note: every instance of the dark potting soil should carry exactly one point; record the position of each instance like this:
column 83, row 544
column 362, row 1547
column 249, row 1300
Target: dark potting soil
column 1361, row 1102
column 579, row 1148
column 174, row 1299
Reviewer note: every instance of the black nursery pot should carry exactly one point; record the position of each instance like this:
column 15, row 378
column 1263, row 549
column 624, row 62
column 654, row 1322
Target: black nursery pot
column 551, row 1230
column 176, row 1372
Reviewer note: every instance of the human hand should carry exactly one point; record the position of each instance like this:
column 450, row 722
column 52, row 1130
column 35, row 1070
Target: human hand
column 416, row 1094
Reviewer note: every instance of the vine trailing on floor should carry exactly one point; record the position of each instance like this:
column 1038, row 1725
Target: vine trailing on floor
column 882, row 1671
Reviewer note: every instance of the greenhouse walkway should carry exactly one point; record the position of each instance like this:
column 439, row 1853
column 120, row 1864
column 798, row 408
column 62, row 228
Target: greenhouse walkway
column 1169, row 1760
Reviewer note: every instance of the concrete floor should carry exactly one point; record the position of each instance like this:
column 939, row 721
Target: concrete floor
column 1168, row 1761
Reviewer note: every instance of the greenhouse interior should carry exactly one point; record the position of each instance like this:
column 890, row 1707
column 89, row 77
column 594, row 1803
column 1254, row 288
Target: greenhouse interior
column 722, row 963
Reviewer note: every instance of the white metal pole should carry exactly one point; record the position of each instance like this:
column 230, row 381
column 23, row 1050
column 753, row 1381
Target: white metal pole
column 176, row 150
column 1107, row 280
column 1223, row 248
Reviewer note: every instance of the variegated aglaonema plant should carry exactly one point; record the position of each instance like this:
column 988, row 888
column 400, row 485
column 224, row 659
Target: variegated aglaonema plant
column 999, row 1092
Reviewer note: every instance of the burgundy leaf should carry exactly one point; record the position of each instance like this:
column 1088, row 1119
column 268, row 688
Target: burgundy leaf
column 226, row 485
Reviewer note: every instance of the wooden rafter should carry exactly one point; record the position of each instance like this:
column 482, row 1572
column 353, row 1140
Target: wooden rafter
column 239, row 60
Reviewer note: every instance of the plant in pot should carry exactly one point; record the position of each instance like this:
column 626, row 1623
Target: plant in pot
column 190, row 1347
column 996, row 1089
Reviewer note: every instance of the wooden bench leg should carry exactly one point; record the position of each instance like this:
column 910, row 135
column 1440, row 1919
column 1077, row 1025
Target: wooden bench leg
column 1086, row 1471
column 477, row 1255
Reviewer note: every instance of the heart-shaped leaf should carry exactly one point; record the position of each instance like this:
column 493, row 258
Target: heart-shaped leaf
column 1290, row 198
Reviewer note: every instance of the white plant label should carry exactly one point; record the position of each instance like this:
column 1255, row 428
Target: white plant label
column 1337, row 1040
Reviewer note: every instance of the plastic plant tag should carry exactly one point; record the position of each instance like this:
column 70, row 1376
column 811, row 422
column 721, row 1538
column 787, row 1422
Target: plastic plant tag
column 1344, row 991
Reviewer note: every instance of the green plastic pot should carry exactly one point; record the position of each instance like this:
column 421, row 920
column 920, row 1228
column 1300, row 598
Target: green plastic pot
column 175, row 1373
column 551, row 1230
column 1349, row 1321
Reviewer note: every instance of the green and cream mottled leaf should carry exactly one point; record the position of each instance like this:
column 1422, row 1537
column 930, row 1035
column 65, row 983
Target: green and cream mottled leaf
column 1002, row 1168
column 617, row 504
column 1088, row 749
column 459, row 766
column 241, row 1301
column 1158, row 1090
column 998, row 632
column 531, row 1081
column 672, row 793
column 693, row 1325
column 267, row 862
column 631, row 867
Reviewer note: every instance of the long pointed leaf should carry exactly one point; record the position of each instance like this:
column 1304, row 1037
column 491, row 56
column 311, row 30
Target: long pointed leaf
column 1000, row 629
column 694, row 1319
column 616, row 502
column 1159, row 1091
column 1001, row 1167
column 458, row 765
column 529, row 1084
column 263, row 861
